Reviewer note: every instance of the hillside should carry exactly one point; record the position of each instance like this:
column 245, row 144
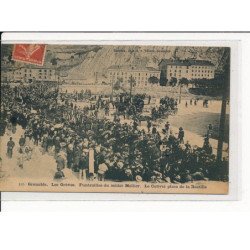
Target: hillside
column 95, row 63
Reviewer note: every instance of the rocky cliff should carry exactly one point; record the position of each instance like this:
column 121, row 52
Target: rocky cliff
column 95, row 63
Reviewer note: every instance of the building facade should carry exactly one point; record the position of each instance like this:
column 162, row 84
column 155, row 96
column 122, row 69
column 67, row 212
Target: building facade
column 28, row 74
column 190, row 69
column 140, row 75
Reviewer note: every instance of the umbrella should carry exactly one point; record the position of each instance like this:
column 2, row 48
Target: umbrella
column 59, row 125
column 138, row 178
column 106, row 132
column 63, row 144
column 90, row 132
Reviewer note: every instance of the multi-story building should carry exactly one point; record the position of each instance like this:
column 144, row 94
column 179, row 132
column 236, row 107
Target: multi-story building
column 140, row 75
column 190, row 69
column 28, row 74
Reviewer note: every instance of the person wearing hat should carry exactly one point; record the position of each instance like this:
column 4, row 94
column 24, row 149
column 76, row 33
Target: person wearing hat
column 57, row 144
column 76, row 158
column 45, row 143
column 10, row 147
column 167, row 127
column 188, row 148
column 149, row 124
column 181, row 135
column 60, row 161
column 21, row 141
column 154, row 130
column 49, row 142
column 28, row 152
column 102, row 169
column 128, row 174
column 70, row 155
column 84, row 164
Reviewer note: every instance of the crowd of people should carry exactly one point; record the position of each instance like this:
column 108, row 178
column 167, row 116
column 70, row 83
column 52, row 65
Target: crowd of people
column 168, row 106
column 76, row 95
column 104, row 148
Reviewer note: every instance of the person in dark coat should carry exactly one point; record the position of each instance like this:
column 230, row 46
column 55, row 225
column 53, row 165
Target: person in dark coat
column 10, row 147
column 60, row 162
column 154, row 130
column 22, row 141
column 149, row 99
column 57, row 145
column 84, row 164
column 76, row 159
column 149, row 124
column 59, row 175
column 181, row 135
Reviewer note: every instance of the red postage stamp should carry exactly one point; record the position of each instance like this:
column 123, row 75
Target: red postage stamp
column 29, row 53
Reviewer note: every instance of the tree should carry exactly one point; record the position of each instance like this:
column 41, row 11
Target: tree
column 183, row 81
column 173, row 81
column 153, row 80
column 53, row 61
column 132, row 83
column 163, row 79
column 6, row 50
column 118, row 83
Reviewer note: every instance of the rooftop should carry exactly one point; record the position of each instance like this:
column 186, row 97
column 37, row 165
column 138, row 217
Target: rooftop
column 131, row 68
column 186, row 62
column 28, row 66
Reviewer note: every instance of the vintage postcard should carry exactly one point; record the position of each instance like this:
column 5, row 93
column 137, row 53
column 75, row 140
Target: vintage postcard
column 115, row 118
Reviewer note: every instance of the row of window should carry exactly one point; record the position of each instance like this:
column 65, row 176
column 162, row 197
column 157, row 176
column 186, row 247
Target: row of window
column 34, row 75
column 197, row 67
column 40, row 70
column 40, row 73
column 40, row 77
column 196, row 75
column 128, row 73
column 176, row 71
column 142, row 78
column 45, row 70
column 202, row 75
column 201, row 67
column 176, row 66
column 202, row 71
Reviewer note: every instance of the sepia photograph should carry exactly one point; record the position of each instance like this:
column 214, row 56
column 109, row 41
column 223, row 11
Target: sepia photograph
column 124, row 124
column 115, row 118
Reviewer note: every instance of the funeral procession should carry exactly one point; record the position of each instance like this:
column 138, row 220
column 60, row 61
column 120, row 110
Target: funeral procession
column 115, row 114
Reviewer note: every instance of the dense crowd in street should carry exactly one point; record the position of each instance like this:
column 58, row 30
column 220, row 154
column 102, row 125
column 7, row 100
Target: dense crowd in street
column 121, row 151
